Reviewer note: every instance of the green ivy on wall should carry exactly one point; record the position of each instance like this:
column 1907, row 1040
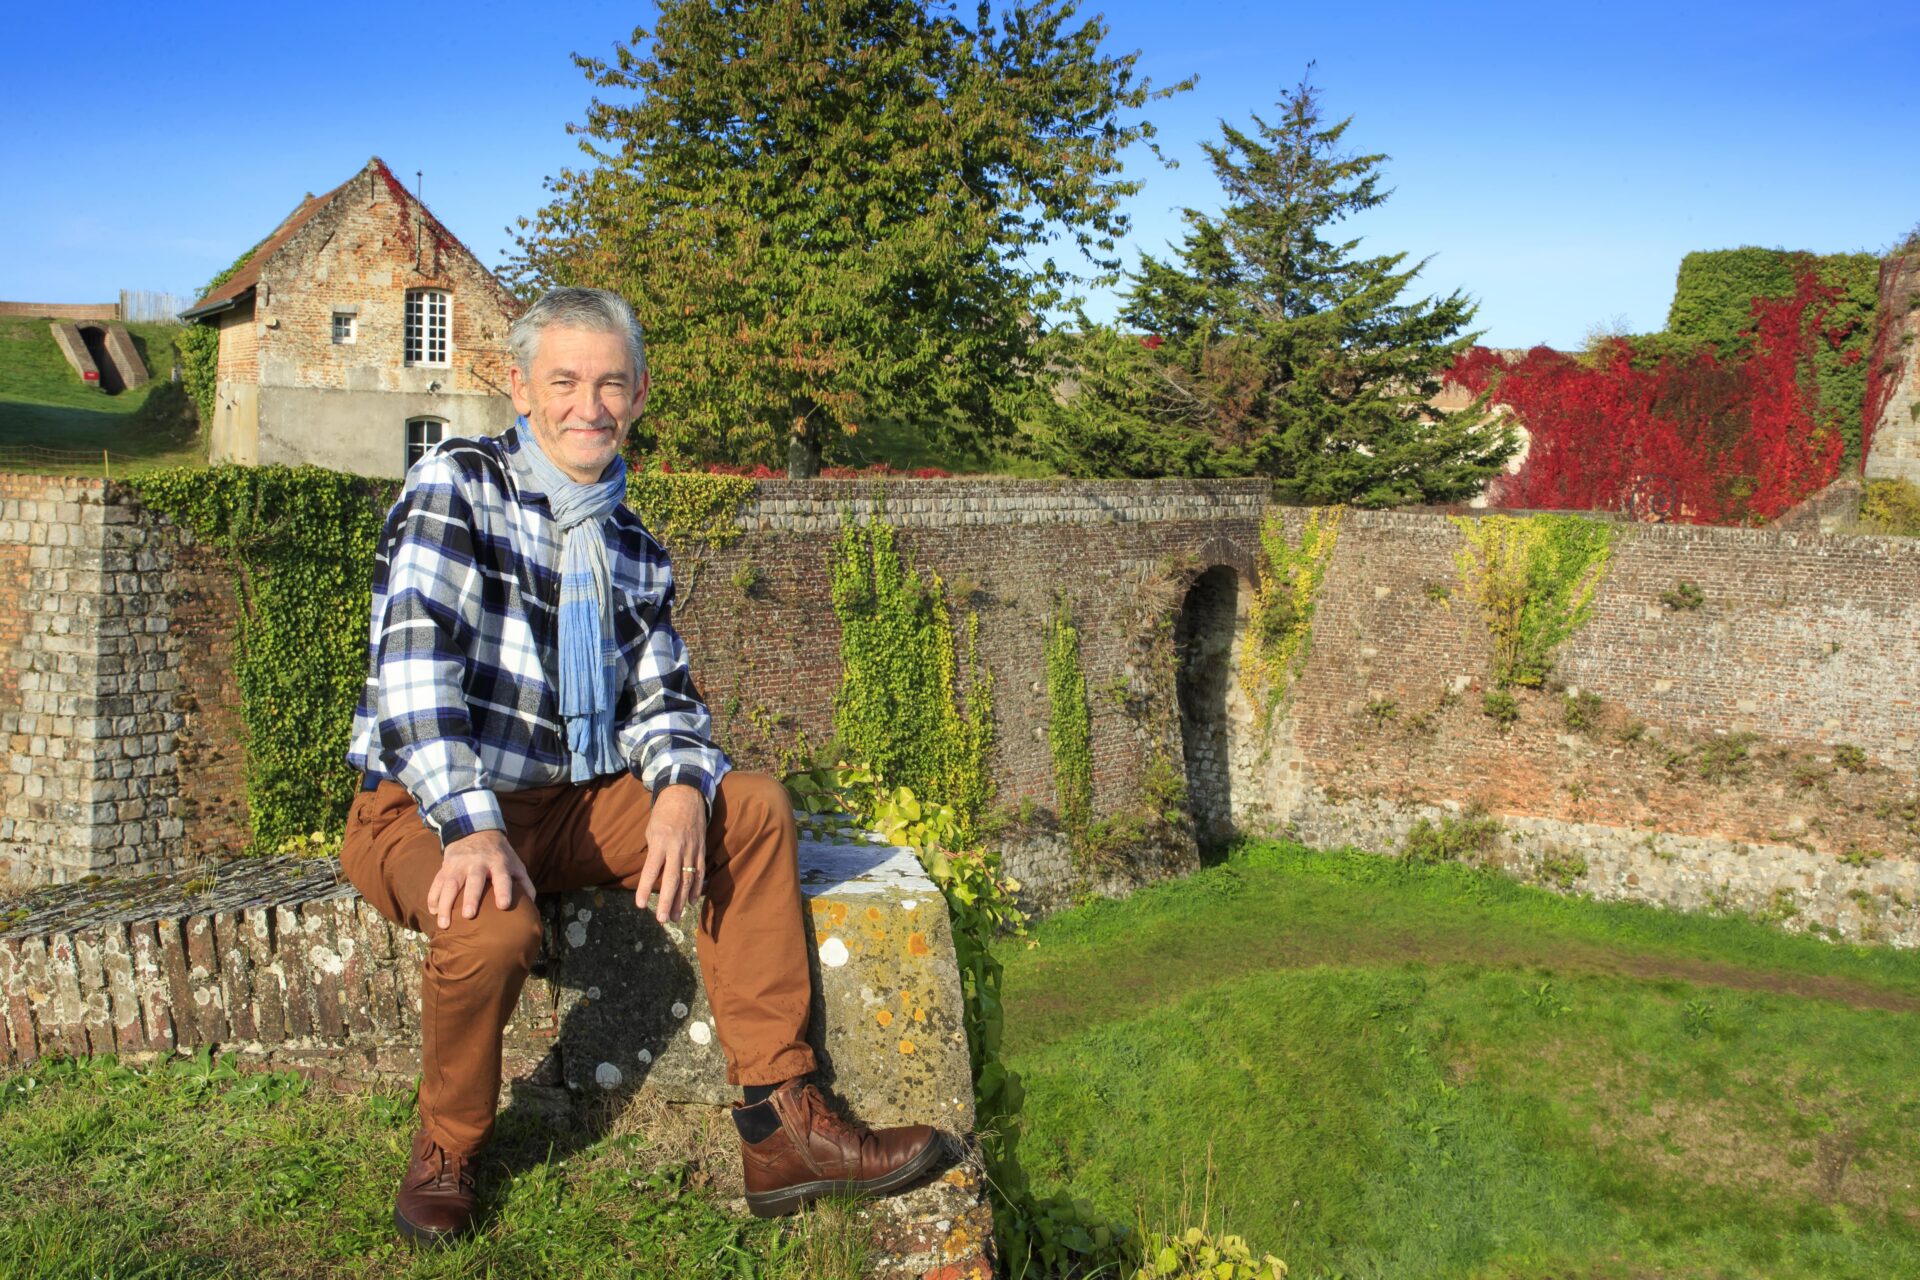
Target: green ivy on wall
column 1280, row 618
column 1069, row 725
column 1713, row 302
column 682, row 507
column 301, row 543
column 199, row 347
column 1534, row 578
column 899, row 707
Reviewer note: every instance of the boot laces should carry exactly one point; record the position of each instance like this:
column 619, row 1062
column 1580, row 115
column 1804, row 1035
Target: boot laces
column 451, row 1174
column 830, row 1122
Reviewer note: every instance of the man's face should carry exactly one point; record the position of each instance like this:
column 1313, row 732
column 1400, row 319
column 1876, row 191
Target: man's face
column 580, row 399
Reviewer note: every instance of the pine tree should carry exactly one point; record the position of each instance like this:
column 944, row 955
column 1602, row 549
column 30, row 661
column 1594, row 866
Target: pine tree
column 1275, row 350
column 831, row 211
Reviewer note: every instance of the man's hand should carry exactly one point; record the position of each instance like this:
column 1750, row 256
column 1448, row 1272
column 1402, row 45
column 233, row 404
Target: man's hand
column 676, row 841
column 466, row 867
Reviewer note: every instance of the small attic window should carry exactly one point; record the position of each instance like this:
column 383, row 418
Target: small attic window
column 426, row 331
column 343, row 328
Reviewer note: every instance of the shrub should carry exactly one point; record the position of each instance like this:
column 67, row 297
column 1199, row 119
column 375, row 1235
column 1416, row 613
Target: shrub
column 1382, row 712
column 1682, row 596
column 1849, row 757
column 1580, row 711
column 1725, row 759
column 1501, row 707
column 1461, row 839
column 1195, row 1255
column 1892, row 506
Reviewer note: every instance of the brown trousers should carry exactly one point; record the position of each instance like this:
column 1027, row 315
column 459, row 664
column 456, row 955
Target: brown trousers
column 752, row 939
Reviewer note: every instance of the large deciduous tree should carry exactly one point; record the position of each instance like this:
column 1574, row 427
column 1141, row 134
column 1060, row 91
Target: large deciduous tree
column 1272, row 347
column 831, row 211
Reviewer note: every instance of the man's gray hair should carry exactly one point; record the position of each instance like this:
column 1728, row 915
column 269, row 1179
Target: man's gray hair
column 595, row 310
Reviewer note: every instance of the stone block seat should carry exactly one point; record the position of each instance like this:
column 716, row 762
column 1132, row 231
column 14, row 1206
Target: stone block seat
column 279, row 960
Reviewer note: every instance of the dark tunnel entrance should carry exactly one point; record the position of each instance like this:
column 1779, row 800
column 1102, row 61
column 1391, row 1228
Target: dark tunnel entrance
column 1203, row 641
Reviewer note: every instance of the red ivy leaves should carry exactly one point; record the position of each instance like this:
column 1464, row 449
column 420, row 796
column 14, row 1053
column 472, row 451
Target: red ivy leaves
column 1688, row 439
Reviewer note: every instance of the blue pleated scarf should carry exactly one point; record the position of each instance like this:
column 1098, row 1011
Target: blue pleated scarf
column 589, row 654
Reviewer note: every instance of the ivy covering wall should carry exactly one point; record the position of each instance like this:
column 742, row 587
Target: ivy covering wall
column 1713, row 302
column 1280, row 618
column 901, row 708
column 1533, row 578
column 1069, row 725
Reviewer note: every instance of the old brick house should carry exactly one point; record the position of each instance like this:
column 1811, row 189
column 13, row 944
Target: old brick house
column 359, row 334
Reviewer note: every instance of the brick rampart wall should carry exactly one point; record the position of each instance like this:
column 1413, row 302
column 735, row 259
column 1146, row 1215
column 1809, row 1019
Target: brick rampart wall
column 1120, row 555
column 1725, row 738
column 1802, row 648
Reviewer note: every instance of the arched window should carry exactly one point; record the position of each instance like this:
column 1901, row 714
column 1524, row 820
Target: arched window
column 422, row 435
column 427, row 327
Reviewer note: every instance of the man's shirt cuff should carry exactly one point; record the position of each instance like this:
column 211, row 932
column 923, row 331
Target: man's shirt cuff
column 465, row 812
column 675, row 773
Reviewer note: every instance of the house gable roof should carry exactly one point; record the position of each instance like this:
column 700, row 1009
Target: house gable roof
column 242, row 284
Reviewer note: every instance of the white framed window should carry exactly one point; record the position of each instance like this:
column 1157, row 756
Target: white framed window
column 344, row 328
column 422, row 435
column 426, row 333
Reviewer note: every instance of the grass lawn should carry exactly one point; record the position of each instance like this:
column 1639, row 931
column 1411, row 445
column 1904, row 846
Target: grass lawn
column 44, row 405
column 1402, row 1071
column 192, row 1170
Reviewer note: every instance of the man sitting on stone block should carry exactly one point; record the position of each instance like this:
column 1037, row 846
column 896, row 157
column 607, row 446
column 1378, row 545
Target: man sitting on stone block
column 529, row 726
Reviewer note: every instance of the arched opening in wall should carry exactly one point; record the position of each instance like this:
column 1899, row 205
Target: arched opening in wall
column 111, row 380
column 1203, row 643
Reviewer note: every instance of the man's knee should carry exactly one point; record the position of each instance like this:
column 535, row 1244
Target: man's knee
column 494, row 944
column 755, row 803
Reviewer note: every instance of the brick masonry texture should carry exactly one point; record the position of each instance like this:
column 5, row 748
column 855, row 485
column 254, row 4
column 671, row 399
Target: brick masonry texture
column 126, row 752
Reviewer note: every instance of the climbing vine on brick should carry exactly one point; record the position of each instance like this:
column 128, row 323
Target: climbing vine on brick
column 301, row 543
column 687, row 507
column 1069, row 725
column 1280, row 619
column 199, row 347
column 900, row 706
column 1533, row 578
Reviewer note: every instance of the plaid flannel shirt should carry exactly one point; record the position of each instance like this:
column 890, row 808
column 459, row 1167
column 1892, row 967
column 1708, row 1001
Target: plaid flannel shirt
column 458, row 703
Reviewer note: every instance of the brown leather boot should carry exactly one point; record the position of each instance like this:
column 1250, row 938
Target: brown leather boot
column 436, row 1199
column 817, row 1153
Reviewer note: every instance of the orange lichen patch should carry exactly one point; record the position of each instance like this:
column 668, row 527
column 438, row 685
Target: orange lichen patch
column 906, row 1046
column 819, row 908
column 884, row 1017
column 838, row 913
column 917, row 944
column 919, row 1015
column 873, row 913
column 958, row 1241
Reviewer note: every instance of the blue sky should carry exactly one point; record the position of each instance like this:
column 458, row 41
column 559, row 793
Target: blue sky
column 1553, row 161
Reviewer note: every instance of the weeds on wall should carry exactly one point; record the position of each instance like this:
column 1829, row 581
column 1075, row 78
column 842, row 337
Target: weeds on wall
column 301, row 543
column 900, row 706
column 1069, row 726
column 1280, row 618
column 1533, row 578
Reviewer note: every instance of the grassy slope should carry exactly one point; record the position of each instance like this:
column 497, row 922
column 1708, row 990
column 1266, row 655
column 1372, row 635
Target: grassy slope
column 44, row 403
column 1407, row 1072
column 190, row 1171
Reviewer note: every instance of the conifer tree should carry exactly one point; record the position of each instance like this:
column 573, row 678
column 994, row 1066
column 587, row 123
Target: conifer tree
column 1273, row 347
column 831, row 211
